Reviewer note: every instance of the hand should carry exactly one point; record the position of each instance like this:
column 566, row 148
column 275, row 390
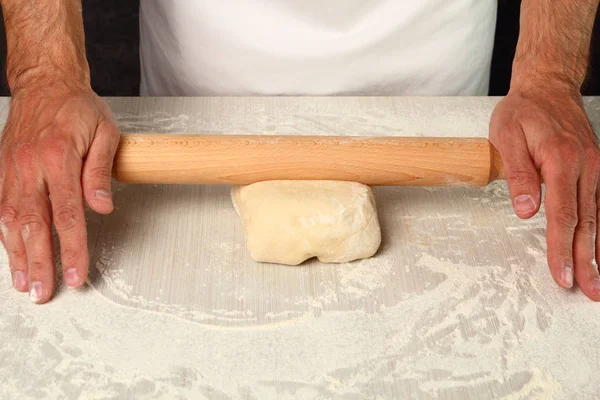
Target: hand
column 57, row 149
column 546, row 128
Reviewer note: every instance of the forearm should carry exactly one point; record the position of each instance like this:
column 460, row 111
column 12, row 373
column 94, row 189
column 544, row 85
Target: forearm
column 554, row 42
column 45, row 43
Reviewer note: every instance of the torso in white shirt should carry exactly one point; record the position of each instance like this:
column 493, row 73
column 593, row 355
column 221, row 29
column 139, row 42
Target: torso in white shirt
column 316, row 47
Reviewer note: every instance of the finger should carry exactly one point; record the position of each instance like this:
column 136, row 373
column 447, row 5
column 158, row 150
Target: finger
column 97, row 169
column 63, row 172
column 11, row 232
column 520, row 171
column 34, row 219
column 586, row 273
column 562, row 216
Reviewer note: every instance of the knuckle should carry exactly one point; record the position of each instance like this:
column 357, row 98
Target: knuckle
column 16, row 254
column 566, row 217
column 37, row 268
column 519, row 177
column 592, row 160
column 566, row 167
column 101, row 172
column 8, row 214
column 54, row 150
column 108, row 127
column 502, row 136
column 571, row 146
column 65, row 217
column 587, row 224
column 69, row 256
column 31, row 223
column 566, row 149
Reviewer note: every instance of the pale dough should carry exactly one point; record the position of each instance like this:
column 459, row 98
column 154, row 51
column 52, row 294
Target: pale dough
column 287, row 222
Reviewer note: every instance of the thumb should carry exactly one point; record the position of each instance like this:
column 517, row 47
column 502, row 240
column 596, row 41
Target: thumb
column 519, row 170
column 97, row 168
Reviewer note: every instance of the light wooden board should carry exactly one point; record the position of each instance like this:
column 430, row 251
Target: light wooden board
column 457, row 304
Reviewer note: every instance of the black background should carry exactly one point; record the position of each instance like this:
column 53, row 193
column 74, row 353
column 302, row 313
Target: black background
column 112, row 38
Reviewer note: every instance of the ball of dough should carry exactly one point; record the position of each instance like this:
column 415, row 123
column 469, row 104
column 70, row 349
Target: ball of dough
column 287, row 222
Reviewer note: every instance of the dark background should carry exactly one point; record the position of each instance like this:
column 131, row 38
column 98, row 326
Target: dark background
column 112, row 38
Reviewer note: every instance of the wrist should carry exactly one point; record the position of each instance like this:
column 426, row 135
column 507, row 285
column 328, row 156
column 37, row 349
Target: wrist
column 41, row 78
column 45, row 43
column 548, row 81
column 548, row 65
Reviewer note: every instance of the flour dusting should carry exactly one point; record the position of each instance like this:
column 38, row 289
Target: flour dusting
column 449, row 317
column 457, row 304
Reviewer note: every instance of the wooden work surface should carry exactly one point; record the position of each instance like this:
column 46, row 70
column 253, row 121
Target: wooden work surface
column 457, row 304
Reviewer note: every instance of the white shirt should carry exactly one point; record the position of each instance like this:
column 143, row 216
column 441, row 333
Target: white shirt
column 316, row 47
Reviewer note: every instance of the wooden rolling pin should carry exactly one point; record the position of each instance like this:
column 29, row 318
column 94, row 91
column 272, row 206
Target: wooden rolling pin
column 241, row 159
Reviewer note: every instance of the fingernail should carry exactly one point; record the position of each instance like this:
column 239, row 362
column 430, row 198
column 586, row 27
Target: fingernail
column 567, row 276
column 36, row 291
column 71, row 277
column 19, row 280
column 596, row 285
column 524, row 204
column 102, row 194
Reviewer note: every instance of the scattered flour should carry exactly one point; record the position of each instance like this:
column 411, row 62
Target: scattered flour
column 457, row 304
column 428, row 317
